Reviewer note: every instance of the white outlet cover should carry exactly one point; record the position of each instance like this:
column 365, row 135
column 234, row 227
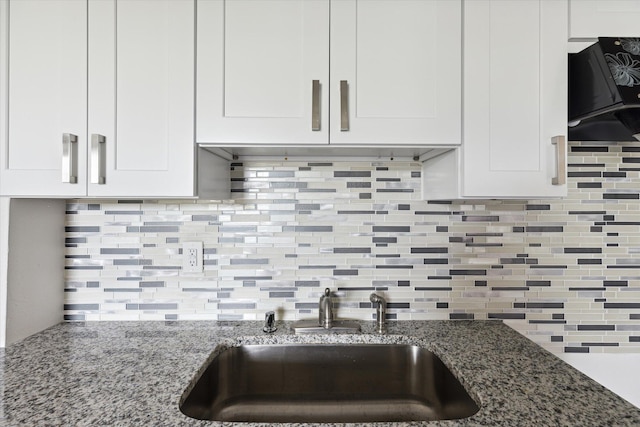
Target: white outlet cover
column 192, row 257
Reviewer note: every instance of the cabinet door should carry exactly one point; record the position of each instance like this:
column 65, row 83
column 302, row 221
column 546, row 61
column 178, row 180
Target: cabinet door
column 43, row 80
column 515, row 97
column 396, row 72
column 257, row 61
column 590, row 19
column 141, row 97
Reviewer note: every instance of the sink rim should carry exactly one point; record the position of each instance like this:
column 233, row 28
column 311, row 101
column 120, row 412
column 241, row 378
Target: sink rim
column 363, row 339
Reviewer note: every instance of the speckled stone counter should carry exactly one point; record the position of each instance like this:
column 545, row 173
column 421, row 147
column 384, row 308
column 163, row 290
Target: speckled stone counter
column 134, row 373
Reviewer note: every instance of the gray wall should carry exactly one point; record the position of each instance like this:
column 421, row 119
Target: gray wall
column 35, row 295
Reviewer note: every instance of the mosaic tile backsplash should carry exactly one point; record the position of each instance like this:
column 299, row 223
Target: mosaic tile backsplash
column 565, row 273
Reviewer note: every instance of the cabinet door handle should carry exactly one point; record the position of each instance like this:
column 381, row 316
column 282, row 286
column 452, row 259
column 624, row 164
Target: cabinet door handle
column 561, row 160
column 344, row 105
column 315, row 105
column 98, row 159
column 69, row 158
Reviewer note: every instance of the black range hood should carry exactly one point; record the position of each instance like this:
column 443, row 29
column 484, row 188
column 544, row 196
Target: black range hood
column 604, row 91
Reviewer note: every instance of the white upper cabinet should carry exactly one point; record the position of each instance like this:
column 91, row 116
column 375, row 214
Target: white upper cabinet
column 257, row 63
column 396, row 72
column 515, row 106
column 43, row 96
column 141, row 97
column 590, row 19
column 349, row 72
column 112, row 79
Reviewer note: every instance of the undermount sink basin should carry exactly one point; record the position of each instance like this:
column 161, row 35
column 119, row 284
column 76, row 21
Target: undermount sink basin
column 317, row 383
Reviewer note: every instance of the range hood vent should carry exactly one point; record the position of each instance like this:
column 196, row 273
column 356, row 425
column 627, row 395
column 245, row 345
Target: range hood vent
column 604, row 91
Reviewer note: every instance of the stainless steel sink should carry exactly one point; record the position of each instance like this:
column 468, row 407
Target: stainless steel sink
column 311, row 383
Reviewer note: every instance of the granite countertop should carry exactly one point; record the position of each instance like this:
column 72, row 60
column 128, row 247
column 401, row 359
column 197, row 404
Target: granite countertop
column 134, row 373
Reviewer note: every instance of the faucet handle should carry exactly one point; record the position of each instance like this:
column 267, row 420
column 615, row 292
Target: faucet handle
column 269, row 322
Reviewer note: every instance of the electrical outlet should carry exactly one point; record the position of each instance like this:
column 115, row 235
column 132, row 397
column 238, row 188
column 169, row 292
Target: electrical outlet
column 192, row 254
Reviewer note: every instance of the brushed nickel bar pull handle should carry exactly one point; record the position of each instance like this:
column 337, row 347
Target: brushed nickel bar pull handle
column 344, row 106
column 561, row 158
column 315, row 105
column 69, row 158
column 98, row 159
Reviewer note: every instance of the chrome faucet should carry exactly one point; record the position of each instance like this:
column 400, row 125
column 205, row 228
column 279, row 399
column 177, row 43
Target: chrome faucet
column 325, row 310
column 381, row 310
column 326, row 323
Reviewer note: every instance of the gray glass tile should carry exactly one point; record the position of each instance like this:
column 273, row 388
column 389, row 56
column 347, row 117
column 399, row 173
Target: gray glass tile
column 391, row 229
column 82, row 306
column 352, row 174
column 352, row 250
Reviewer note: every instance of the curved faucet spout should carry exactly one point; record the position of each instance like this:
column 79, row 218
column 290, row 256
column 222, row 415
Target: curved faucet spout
column 381, row 311
column 325, row 311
